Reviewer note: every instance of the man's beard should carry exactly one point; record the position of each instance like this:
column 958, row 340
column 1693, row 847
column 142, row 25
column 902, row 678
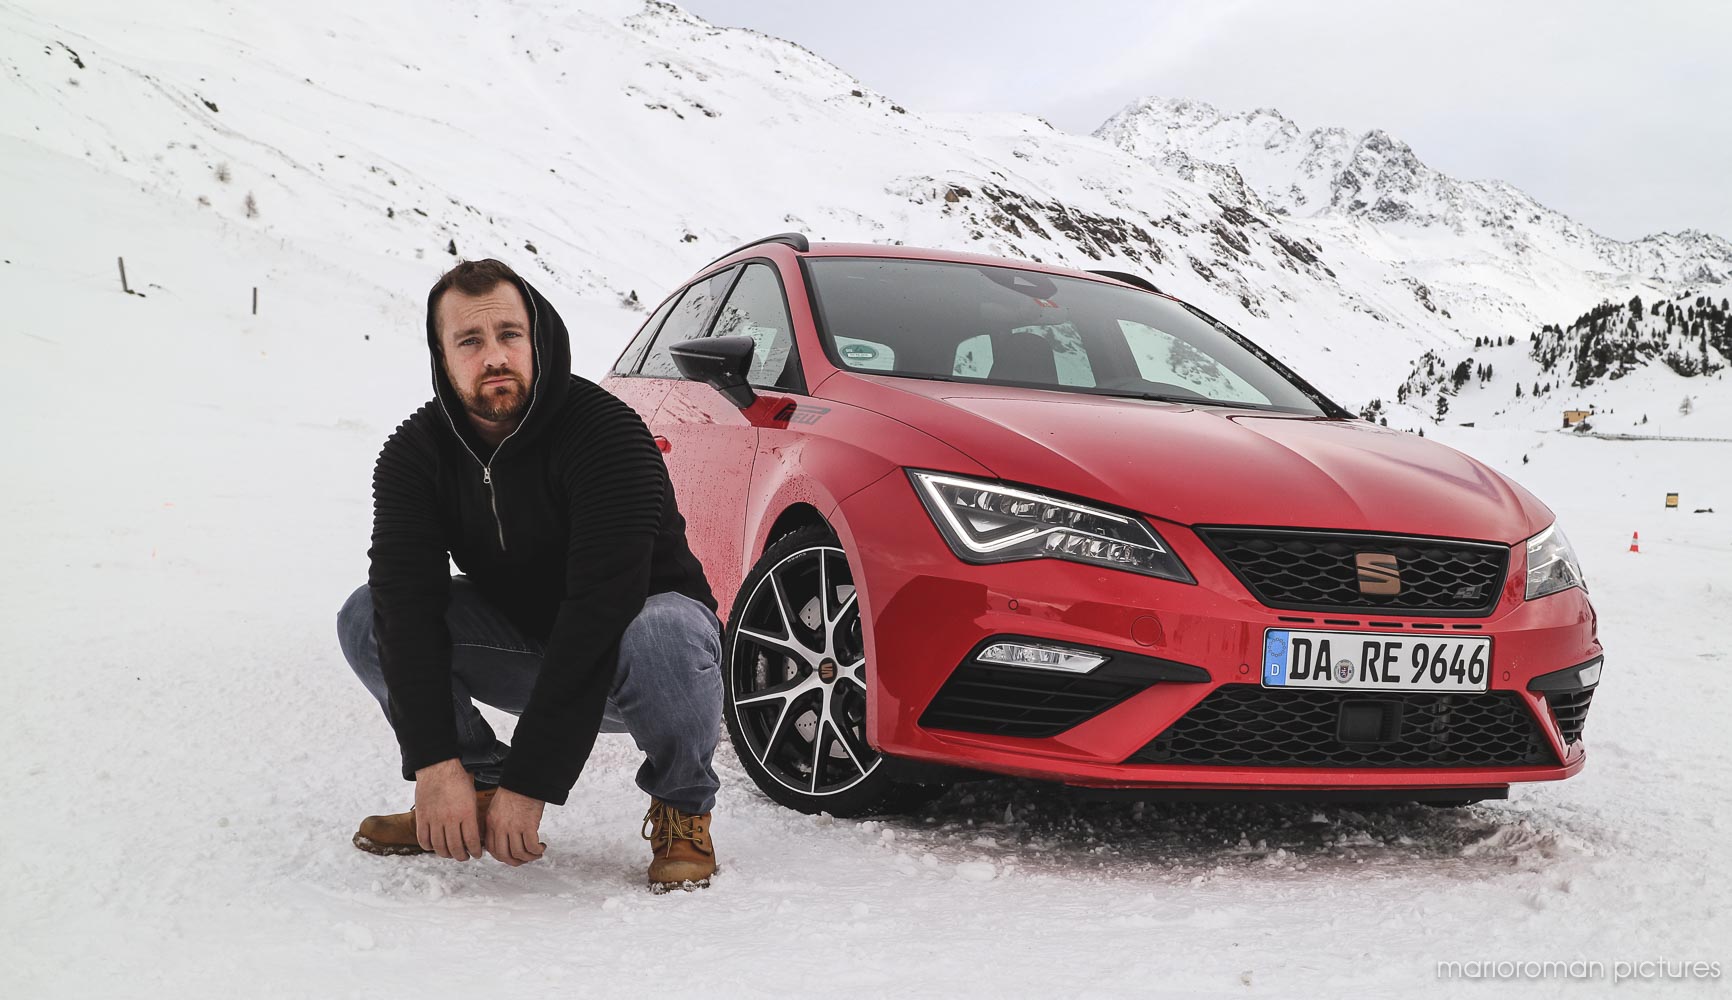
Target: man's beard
column 497, row 403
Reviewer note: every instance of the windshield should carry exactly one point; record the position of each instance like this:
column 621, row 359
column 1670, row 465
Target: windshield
column 1005, row 326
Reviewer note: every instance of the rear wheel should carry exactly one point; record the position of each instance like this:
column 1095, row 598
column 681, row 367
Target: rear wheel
column 795, row 684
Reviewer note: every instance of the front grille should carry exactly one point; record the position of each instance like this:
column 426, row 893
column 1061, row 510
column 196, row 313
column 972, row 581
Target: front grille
column 1570, row 708
column 1319, row 570
column 1008, row 701
column 1250, row 726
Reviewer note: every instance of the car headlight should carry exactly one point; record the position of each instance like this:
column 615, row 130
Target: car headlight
column 988, row 522
column 1552, row 564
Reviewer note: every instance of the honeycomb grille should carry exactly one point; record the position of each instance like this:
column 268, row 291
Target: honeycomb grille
column 1319, row 571
column 1570, row 708
column 1007, row 701
column 1246, row 725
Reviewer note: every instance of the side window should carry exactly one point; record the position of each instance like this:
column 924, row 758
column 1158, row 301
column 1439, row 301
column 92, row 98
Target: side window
column 628, row 358
column 755, row 309
column 1166, row 360
column 690, row 318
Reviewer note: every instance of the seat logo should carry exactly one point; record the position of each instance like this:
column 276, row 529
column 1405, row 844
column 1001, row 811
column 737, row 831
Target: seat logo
column 1379, row 574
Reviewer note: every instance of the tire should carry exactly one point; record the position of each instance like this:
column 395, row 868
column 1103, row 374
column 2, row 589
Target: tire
column 794, row 684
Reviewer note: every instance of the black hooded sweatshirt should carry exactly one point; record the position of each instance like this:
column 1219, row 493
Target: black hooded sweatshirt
column 567, row 527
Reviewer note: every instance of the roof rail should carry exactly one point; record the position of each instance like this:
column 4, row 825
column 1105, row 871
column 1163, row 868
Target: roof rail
column 796, row 240
column 1130, row 279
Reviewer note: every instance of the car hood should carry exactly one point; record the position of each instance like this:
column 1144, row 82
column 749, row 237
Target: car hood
column 1211, row 465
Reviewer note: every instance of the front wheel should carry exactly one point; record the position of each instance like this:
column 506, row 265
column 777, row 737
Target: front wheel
column 795, row 684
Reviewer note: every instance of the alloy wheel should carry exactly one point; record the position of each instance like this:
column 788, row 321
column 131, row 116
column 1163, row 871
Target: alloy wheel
column 797, row 675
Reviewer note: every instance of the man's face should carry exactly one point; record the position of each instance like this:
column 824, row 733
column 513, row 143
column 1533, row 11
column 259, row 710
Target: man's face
column 488, row 356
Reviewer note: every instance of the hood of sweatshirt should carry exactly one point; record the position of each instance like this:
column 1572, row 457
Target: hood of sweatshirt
column 551, row 346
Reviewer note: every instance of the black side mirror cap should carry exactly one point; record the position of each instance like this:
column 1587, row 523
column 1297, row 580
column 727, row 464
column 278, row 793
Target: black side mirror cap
column 720, row 363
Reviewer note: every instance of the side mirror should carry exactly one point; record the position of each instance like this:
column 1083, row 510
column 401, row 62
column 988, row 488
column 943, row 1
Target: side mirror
column 718, row 362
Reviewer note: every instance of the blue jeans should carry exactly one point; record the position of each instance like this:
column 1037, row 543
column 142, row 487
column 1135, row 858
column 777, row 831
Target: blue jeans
column 667, row 693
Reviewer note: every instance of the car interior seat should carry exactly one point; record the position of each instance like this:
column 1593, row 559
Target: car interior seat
column 1023, row 356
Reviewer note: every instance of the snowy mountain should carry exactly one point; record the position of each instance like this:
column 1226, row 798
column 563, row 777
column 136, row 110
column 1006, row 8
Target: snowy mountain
column 611, row 147
column 1483, row 253
column 1650, row 369
column 1374, row 178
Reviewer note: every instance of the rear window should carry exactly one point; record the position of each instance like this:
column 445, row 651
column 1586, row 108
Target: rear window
column 1007, row 326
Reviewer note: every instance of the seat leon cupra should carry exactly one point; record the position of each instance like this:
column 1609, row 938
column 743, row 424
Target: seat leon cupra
column 970, row 515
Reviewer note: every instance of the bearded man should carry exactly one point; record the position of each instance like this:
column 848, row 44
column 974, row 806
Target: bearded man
column 580, row 608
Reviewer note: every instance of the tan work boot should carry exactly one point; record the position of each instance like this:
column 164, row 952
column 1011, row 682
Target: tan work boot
column 684, row 856
column 395, row 834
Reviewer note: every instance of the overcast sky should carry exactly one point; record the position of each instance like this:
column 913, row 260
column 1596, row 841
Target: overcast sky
column 1616, row 113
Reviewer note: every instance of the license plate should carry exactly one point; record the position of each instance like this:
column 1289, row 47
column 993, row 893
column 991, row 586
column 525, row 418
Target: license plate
column 1375, row 661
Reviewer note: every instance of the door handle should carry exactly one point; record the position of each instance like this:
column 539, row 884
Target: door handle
column 663, row 444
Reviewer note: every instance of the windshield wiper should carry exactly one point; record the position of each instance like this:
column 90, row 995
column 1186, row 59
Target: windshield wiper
column 1156, row 397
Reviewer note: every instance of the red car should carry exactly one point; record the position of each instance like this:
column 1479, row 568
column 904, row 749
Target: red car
column 969, row 514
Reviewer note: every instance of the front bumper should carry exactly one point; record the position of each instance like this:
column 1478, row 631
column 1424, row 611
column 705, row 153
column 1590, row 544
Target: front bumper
column 926, row 611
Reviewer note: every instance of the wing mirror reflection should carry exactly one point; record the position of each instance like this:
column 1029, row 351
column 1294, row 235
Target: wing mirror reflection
column 720, row 363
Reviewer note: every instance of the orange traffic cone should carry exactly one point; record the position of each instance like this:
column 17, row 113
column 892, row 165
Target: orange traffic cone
column 1635, row 541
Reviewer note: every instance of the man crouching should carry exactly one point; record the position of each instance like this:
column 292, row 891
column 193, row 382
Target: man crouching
column 580, row 608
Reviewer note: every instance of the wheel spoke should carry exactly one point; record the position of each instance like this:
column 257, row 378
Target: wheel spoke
column 791, row 645
column 781, row 604
column 778, row 732
column 842, row 609
column 778, row 692
column 818, row 741
column 790, row 618
column 842, row 739
column 824, row 594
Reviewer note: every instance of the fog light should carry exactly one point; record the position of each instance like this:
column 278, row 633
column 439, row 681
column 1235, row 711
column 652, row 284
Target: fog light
column 1022, row 654
column 1580, row 677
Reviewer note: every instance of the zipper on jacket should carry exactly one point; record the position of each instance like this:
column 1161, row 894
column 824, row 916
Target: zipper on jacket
column 487, row 466
column 493, row 500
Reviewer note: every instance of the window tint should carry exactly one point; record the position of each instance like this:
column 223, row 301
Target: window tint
column 755, row 309
column 628, row 358
column 690, row 318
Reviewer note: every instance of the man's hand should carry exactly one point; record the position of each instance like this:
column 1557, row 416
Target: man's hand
column 513, row 828
column 445, row 820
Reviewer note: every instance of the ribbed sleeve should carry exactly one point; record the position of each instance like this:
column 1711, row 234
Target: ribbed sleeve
column 411, row 588
column 613, row 481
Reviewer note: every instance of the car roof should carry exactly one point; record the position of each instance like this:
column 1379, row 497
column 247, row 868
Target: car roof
column 903, row 252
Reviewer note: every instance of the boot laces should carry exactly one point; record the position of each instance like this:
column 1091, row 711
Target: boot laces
column 664, row 824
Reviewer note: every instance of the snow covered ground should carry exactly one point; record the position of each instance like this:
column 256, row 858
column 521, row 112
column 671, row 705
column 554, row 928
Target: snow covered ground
column 188, row 505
